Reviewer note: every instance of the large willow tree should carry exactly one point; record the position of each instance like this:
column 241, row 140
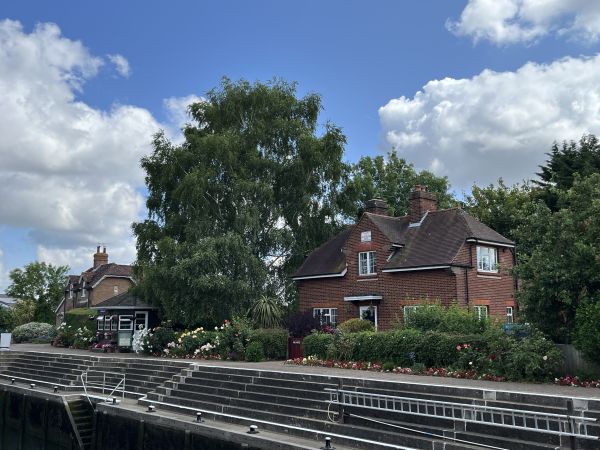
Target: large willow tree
column 235, row 207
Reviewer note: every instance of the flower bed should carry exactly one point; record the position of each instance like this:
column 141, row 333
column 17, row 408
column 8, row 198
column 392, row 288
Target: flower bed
column 377, row 367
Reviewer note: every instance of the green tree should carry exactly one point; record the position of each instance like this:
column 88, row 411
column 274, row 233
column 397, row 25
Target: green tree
column 391, row 179
column 41, row 283
column 564, row 162
column 500, row 207
column 234, row 209
column 560, row 268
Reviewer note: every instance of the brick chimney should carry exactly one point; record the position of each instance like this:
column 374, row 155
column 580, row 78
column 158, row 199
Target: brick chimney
column 100, row 258
column 377, row 206
column 421, row 201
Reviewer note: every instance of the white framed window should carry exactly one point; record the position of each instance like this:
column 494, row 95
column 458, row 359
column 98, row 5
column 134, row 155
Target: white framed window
column 482, row 311
column 71, row 290
column 116, row 289
column 408, row 310
column 327, row 316
column 100, row 322
column 365, row 236
column 368, row 312
column 487, row 259
column 509, row 314
column 83, row 290
column 125, row 323
column 366, row 263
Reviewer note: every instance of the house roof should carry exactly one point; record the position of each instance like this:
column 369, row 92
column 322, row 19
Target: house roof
column 92, row 275
column 124, row 300
column 434, row 242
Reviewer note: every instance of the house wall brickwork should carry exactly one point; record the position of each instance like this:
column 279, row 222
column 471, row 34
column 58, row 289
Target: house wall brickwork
column 461, row 284
column 105, row 289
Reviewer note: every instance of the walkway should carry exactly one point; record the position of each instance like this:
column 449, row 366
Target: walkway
column 279, row 366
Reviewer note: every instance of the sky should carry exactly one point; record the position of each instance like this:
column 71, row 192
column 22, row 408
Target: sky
column 470, row 89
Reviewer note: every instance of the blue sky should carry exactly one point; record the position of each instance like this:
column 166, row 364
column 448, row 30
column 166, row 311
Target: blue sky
column 473, row 89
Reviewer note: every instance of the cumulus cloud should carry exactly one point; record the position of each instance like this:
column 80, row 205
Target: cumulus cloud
column 121, row 64
column 511, row 21
column 177, row 108
column 496, row 123
column 68, row 172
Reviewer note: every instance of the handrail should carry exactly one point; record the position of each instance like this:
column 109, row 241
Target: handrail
column 504, row 417
column 104, row 386
column 83, row 383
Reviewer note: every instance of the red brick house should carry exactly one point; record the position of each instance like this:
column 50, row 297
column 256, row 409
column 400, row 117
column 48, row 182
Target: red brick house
column 383, row 267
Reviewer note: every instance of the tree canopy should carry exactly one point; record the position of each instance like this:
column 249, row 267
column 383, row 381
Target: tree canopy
column 391, row 179
column 235, row 207
column 41, row 283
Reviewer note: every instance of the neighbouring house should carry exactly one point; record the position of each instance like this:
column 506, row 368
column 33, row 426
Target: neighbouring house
column 383, row 268
column 6, row 301
column 104, row 287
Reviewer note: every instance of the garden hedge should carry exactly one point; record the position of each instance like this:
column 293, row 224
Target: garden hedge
column 273, row 340
column 80, row 317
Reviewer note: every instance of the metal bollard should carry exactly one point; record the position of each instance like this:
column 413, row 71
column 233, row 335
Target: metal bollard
column 55, row 389
column 151, row 408
column 199, row 417
column 32, row 385
column 253, row 429
column 328, row 445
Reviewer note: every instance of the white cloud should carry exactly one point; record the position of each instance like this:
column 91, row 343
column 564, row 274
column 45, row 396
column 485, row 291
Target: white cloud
column 495, row 124
column 121, row 64
column 177, row 108
column 511, row 21
column 68, row 172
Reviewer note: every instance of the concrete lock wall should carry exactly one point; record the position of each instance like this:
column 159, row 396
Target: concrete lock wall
column 33, row 421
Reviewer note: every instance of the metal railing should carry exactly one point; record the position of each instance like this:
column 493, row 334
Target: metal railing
column 104, row 386
column 560, row 424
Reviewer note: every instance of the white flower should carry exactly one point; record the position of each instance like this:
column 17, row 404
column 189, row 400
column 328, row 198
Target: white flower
column 545, row 358
column 470, row 363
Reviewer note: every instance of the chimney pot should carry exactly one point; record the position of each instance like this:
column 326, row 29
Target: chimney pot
column 104, row 250
column 100, row 258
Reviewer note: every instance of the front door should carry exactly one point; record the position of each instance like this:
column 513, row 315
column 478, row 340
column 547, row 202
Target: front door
column 368, row 312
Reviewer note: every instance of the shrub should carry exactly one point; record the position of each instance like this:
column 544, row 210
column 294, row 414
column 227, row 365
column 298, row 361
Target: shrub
column 6, row 320
column 302, row 324
column 160, row 337
column 34, row 332
column 437, row 349
column 356, row 326
column 233, row 338
column 316, row 344
column 83, row 338
column 273, row 340
column 454, row 320
column 23, row 312
column 587, row 332
column 266, row 312
column 388, row 366
column 254, row 352
column 81, row 317
column 533, row 358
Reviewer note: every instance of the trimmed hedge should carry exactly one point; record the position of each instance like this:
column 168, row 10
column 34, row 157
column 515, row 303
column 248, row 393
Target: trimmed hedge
column 36, row 332
column 80, row 317
column 273, row 341
column 532, row 358
column 356, row 326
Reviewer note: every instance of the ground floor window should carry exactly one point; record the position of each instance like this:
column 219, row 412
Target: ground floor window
column 125, row 323
column 327, row 316
column 509, row 314
column 482, row 311
column 409, row 310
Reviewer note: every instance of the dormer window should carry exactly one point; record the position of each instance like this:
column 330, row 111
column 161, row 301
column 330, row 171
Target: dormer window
column 71, row 290
column 366, row 263
column 487, row 259
column 365, row 236
column 83, row 290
